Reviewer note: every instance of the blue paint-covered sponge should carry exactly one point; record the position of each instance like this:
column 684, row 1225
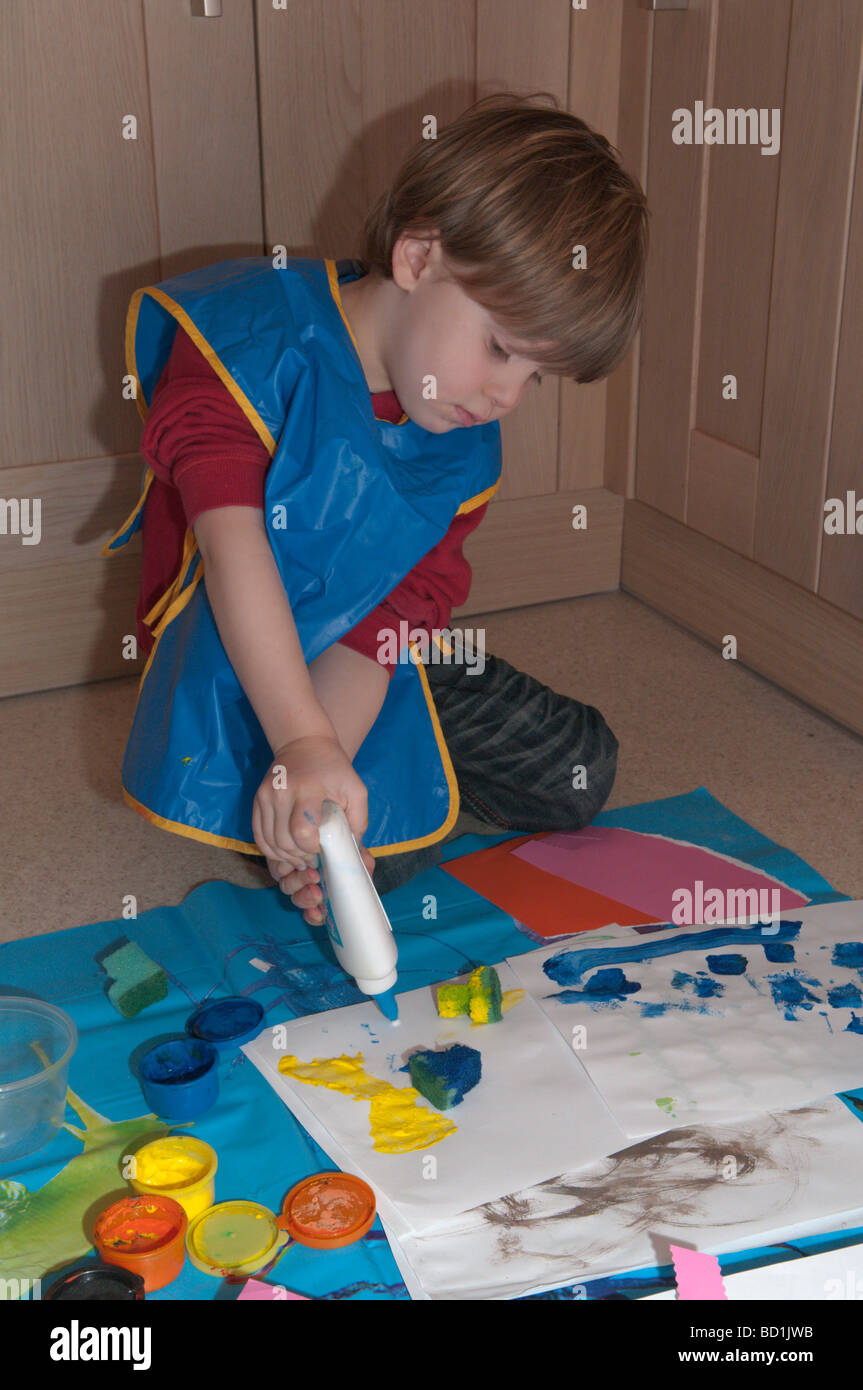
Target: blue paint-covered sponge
column 444, row 1078
column 138, row 981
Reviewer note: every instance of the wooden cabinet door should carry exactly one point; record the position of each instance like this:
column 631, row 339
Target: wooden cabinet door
column 129, row 152
column 750, row 414
column 750, row 251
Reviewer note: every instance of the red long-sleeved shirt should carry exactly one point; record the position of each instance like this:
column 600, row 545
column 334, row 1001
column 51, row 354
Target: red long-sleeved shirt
column 205, row 453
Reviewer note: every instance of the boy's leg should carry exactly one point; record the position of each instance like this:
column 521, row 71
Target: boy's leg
column 525, row 757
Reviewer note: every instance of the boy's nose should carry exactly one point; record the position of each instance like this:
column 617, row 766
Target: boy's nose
column 500, row 400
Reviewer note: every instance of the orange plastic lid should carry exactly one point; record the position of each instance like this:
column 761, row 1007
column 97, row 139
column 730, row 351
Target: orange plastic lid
column 328, row 1210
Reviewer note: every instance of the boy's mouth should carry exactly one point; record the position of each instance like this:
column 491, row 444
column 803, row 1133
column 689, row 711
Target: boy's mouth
column 465, row 417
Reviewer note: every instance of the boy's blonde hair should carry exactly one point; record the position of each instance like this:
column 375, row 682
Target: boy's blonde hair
column 511, row 189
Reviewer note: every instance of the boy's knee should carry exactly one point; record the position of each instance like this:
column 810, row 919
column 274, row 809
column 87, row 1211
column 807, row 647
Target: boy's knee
column 600, row 770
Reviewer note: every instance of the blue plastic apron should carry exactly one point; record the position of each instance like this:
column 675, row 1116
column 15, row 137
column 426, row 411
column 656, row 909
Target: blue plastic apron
column 352, row 503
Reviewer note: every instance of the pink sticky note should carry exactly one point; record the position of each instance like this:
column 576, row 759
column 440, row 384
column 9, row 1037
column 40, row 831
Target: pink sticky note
column 255, row 1290
column 698, row 1276
column 645, row 871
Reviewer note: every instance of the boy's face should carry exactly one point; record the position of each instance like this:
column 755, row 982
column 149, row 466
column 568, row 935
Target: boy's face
column 437, row 331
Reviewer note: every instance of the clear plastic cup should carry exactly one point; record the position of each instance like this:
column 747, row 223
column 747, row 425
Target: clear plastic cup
column 36, row 1043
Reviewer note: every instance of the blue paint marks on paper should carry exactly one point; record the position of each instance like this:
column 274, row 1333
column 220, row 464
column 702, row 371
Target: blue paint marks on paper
column 844, row 997
column 606, row 989
column 727, row 965
column 699, row 984
column 570, row 966
column 855, row 1026
column 684, row 1007
column 778, row 951
column 849, row 954
column 790, row 993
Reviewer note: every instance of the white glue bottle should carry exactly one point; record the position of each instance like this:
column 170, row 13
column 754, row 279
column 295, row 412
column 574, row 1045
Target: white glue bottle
column 356, row 921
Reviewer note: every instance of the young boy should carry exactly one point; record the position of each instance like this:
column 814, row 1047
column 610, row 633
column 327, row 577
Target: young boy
column 322, row 437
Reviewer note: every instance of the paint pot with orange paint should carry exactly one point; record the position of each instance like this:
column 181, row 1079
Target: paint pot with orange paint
column 145, row 1235
column 328, row 1210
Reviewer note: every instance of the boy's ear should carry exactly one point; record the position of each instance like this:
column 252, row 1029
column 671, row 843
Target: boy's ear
column 411, row 257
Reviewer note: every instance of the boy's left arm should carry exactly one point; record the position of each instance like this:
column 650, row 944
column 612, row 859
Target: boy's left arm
column 351, row 687
column 350, row 680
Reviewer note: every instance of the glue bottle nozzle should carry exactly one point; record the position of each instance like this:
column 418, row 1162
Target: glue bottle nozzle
column 386, row 1002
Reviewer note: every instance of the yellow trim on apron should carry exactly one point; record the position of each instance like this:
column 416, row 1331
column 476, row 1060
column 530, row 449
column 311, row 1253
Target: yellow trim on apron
column 190, row 549
column 481, row 497
column 204, row 836
column 333, row 277
column 176, row 606
column 178, row 313
column 131, row 359
column 148, row 479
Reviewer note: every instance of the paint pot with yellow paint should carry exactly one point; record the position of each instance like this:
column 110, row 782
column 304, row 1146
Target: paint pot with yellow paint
column 178, row 1166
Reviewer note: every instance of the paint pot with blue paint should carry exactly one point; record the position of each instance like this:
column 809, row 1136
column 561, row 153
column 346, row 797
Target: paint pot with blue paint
column 227, row 1023
column 180, row 1079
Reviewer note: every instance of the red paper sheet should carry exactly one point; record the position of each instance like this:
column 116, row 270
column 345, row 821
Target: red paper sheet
column 547, row 904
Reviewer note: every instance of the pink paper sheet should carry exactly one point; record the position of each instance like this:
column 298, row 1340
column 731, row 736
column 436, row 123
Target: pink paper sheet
column 256, row 1291
column 697, row 1275
column 644, row 871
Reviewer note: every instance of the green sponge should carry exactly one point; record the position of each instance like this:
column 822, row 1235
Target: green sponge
column 485, row 995
column 138, row 981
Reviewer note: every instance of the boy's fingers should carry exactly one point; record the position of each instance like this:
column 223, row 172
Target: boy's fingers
column 262, row 832
column 279, row 867
column 357, row 814
column 305, row 831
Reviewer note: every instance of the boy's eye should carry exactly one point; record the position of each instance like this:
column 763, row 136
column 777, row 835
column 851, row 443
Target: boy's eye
column 496, row 347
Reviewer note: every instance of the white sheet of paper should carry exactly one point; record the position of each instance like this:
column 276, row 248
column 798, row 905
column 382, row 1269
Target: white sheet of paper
column 534, row 1112
column 816, row 1278
column 706, row 1059
column 797, row 1174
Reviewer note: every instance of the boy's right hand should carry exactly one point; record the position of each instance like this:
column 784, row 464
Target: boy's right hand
column 303, row 886
column 288, row 807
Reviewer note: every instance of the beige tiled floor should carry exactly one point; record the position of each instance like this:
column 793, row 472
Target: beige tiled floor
column 71, row 849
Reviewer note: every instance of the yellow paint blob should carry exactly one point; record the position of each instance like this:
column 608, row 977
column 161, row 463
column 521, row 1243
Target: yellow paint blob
column 398, row 1123
column 169, row 1163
